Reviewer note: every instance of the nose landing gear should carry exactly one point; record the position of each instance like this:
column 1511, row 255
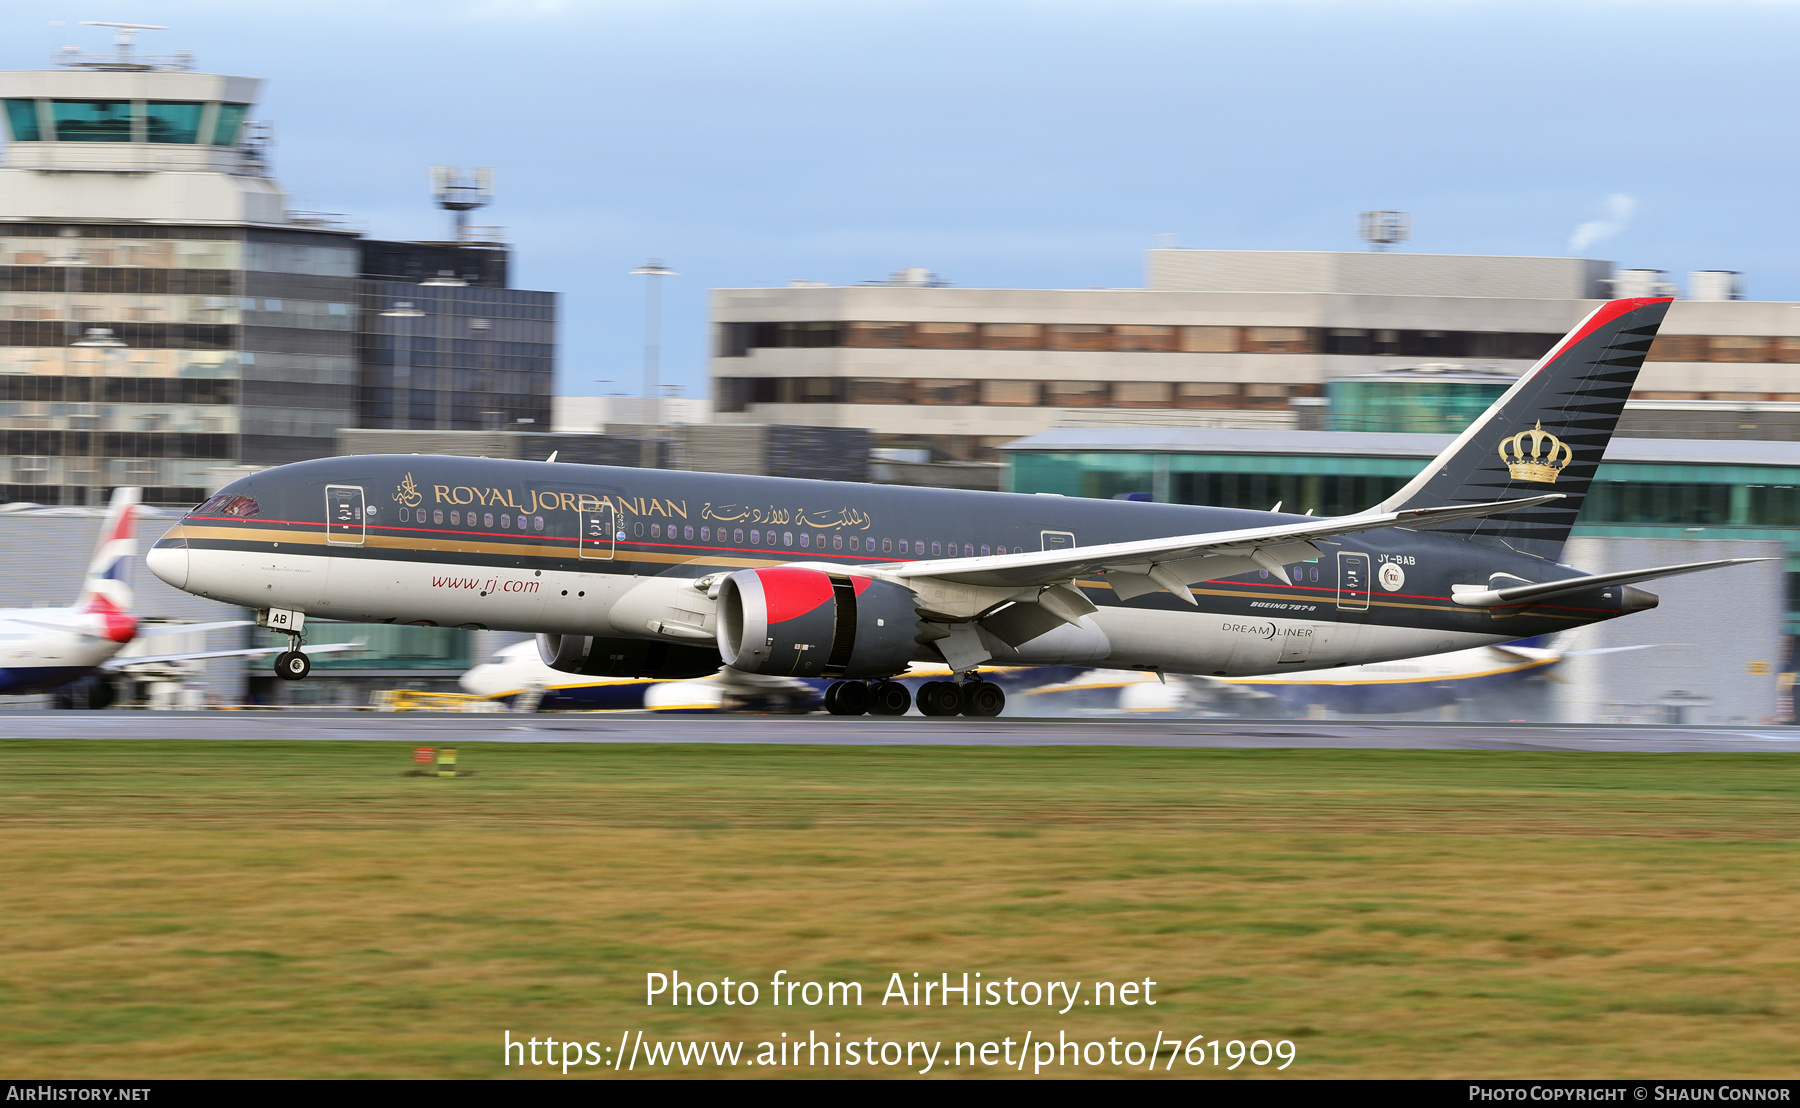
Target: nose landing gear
column 292, row 664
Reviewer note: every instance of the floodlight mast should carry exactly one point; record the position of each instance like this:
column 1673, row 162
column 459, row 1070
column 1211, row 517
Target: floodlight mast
column 1384, row 229
column 461, row 192
column 653, row 270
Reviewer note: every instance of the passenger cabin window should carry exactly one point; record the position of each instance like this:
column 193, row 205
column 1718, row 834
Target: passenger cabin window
column 437, row 516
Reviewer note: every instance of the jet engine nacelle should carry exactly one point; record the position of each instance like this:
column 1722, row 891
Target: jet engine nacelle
column 595, row 657
column 800, row 622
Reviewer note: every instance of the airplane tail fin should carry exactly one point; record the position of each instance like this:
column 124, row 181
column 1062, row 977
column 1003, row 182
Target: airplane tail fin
column 106, row 590
column 1545, row 434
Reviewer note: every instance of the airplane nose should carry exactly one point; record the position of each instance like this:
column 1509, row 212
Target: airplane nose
column 1637, row 600
column 169, row 561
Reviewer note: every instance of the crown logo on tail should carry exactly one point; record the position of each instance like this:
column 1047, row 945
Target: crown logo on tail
column 1542, row 461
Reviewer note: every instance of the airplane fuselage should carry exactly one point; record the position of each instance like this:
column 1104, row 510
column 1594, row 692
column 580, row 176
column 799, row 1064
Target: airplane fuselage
column 44, row 648
column 588, row 550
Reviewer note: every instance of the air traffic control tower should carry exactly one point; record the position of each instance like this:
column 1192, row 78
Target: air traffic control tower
column 162, row 312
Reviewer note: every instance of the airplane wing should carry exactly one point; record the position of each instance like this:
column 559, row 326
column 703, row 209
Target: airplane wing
column 152, row 631
column 114, row 665
column 155, row 630
column 1173, row 563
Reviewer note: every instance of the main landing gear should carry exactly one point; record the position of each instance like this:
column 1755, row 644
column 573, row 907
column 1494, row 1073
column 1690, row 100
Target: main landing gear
column 973, row 697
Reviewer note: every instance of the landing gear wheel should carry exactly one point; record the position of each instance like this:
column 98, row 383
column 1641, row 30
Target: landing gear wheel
column 983, row 698
column 831, row 694
column 292, row 665
column 940, row 698
column 889, row 698
column 852, row 698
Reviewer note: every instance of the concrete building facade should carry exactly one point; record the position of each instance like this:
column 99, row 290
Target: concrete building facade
column 1241, row 339
column 164, row 314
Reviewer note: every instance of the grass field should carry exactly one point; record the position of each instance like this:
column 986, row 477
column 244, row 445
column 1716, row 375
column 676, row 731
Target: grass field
column 264, row 909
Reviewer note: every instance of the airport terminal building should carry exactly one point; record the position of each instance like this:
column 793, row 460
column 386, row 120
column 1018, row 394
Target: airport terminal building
column 1228, row 339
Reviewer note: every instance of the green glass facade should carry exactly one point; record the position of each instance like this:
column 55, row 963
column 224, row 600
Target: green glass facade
column 165, row 121
column 1414, row 403
column 1628, row 499
column 231, row 118
column 92, row 120
column 22, row 120
column 172, row 121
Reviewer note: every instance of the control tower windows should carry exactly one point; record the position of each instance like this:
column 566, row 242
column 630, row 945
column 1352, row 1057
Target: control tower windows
column 22, row 120
column 92, row 120
column 231, row 118
column 172, row 121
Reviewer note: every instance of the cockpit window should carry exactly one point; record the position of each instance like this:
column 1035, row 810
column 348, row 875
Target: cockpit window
column 225, row 504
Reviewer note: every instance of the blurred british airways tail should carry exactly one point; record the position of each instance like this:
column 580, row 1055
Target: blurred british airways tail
column 106, row 590
column 1545, row 434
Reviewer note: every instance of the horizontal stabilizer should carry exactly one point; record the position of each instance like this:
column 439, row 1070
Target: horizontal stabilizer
column 1480, row 596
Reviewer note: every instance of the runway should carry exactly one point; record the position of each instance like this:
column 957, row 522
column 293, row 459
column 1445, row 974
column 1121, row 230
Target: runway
column 876, row 731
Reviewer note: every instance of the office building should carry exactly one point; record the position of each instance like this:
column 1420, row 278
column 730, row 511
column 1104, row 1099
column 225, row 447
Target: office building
column 447, row 345
column 1228, row 339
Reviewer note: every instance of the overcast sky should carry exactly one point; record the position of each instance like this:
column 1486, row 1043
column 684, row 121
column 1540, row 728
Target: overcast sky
column 1004, row 143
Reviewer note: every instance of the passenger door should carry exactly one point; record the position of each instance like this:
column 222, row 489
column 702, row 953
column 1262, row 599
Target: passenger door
column 344, row 524
column 1057, row 540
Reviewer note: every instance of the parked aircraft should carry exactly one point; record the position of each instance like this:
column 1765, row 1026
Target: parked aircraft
column 520, row 671
column 646, row 573
column 1377, row 689
column 46, row 649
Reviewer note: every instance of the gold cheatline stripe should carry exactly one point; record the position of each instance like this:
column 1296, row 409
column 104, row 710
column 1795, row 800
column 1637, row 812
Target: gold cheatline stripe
column 399, row 543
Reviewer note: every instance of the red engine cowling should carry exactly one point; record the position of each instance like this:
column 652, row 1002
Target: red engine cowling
column 796, row 622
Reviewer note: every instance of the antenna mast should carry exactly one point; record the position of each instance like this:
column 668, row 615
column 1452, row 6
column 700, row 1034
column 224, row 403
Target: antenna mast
column 1383, row 229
